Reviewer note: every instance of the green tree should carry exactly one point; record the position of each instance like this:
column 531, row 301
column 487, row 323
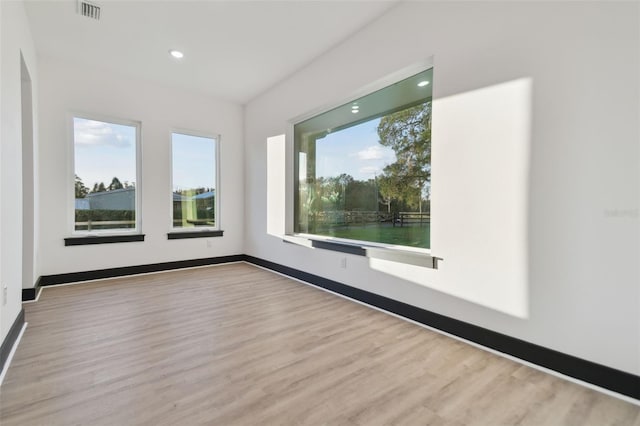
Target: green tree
column 408, row 133
column 362, row 195
column 389, row 190
column 115, row 184
column 98, row 188
column 338, row 187
column 81, row 190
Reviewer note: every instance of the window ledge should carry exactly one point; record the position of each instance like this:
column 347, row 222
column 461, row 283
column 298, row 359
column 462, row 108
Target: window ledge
column 194, row 234
column 103, row 239
column 393, row 254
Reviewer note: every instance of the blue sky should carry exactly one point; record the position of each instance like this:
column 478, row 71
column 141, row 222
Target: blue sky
column 193, row 162
column 104, row 151
column 107, row 150
column 355, row 151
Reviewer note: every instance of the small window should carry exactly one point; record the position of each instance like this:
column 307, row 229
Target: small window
column 363, row 169
column 194, row 182
column 106, row 180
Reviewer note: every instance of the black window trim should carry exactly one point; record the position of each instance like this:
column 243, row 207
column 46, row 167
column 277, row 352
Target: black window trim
column 422, row 258
column 103, row 239
column 195, row 234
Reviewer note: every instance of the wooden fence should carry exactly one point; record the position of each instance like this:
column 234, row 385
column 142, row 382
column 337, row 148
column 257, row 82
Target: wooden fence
column 407, row 218
column 339, row 217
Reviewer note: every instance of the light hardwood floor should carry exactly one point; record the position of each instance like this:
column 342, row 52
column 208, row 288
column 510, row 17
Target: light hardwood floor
column 237, row 345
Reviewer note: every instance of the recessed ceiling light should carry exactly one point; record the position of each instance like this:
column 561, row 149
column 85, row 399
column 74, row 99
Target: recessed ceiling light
column 423, row 83
column 355, row 111
column 176, row 54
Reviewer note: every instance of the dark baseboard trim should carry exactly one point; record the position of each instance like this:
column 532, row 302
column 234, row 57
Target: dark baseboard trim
column 10, row 340
column 72, row 277
column 105, row 239
column 30, row 293
column 587, row 371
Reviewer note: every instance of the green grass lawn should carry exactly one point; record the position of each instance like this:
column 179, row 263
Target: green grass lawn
column 408, row 235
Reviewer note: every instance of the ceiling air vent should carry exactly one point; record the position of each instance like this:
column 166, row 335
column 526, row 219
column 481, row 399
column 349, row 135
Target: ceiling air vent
column 89, row 10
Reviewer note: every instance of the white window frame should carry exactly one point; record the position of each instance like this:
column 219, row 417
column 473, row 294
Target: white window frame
column 216, row 152
column 71, row 175
column 397, row 253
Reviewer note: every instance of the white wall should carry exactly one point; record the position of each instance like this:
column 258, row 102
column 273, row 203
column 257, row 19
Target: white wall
column 66, row 88
column 15, row 38
column 576, row 205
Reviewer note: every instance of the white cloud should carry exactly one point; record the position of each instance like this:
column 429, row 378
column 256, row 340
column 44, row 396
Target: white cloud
column 374, row 152
column 95, row 133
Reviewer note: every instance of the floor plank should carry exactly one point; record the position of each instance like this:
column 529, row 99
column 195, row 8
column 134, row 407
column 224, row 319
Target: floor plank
column 238, row 345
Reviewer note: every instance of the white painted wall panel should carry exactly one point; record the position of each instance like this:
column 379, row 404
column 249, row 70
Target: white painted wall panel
column 15, row 38
column 551, row 255
column 479, row 198
column 67, row 88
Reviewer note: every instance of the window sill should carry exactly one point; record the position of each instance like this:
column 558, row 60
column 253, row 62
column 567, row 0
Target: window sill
column 193, row 234
column 390, row 253
column 103, row 239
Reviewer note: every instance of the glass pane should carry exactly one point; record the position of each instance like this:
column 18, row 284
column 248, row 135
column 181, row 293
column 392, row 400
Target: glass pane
column 364, row 168
column 194, row 183
column 105, row 175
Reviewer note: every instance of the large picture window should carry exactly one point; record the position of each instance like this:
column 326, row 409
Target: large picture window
column 363, row 170
column 194, row 197
column 105, row 176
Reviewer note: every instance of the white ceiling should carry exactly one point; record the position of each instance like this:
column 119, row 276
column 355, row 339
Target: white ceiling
column 234, row 50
